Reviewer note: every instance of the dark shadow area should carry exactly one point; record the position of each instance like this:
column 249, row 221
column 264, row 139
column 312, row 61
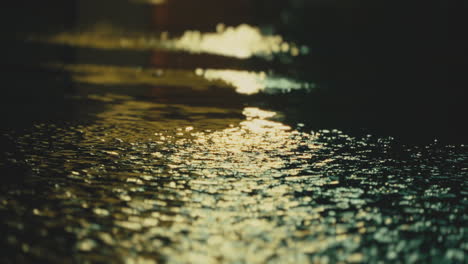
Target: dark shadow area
column 31, row 91
column 392, row 67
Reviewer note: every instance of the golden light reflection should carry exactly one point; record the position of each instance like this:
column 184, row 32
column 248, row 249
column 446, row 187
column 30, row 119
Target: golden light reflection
column 168, row 189
column 238, row 144
column 243, row 41
column 209, row 186
column 256, row 121
column 247, row 82
column 115, row 75
column 244, row 82
column 154, row 117
column 236, row 204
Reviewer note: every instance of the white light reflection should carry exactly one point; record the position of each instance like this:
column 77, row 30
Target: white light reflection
column 242, row 42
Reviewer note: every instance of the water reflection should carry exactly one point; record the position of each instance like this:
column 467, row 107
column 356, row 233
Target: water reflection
column 175, row 165
column 243, row 41
column 244, row 82
column 247, row 82
column 140, row 185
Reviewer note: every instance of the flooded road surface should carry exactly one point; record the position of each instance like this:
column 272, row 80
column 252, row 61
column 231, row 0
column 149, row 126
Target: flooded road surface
column 163, row 145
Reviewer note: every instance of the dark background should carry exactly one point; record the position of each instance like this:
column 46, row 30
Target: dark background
column 389, row 67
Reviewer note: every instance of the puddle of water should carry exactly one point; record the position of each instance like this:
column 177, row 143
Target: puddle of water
column 154, row 163
column 140, row 186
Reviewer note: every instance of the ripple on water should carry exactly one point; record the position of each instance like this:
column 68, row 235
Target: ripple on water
column 144, row 191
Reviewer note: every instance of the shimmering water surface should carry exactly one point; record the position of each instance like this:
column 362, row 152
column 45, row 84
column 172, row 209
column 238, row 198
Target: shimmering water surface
column 163, row 146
